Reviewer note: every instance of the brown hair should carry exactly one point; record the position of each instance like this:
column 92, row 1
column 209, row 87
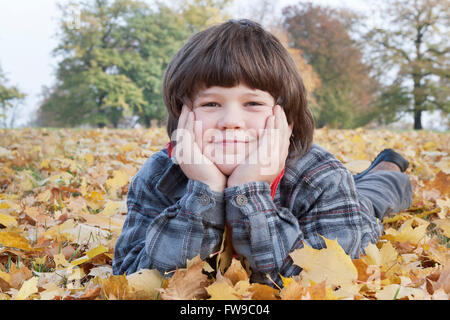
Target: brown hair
column 237, row 52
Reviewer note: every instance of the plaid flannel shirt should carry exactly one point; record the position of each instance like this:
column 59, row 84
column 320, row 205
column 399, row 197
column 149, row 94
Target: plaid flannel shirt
column 171, row 219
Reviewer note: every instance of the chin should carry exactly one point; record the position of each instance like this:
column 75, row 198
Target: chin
column 227, row 169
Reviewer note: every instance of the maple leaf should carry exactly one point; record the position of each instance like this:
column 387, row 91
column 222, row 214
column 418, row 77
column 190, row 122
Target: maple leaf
column 28, row 288
column 223, row 289
column 236, row 272
column 115, row 287
column 330, row 264
column 293, row 290
column 63, row 191
column 14, row 240
column 145, row 283
column 412, row 230
column 187, row 284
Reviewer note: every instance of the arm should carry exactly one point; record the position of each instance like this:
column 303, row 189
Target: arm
column 324, row 204
column 164, row 238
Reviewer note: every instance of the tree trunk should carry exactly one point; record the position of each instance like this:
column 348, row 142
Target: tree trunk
column 417, row 119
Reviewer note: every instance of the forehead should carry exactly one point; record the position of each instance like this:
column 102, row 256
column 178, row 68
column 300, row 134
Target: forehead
column 243, row 90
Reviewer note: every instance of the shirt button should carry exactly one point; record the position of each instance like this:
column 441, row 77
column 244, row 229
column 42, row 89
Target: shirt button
column 204, row 199
column 241, row 200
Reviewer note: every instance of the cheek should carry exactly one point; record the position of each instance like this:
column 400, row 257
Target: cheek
column 258, row 123
column 205, row 122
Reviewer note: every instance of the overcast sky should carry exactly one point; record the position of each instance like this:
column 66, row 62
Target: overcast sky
column 27, row 37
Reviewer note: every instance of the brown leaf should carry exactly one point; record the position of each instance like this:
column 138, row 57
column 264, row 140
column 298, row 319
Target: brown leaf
column 293, row 291
column 187, row 284
column 263, row 292
column 236, row 272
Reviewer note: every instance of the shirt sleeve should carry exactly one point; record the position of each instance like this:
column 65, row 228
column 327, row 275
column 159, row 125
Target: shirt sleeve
column 161, row 237
column 325, row 204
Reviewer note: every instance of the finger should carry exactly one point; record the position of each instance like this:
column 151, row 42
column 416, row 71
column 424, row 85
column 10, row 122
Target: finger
column 198, row 134
column 190, row 122
column 278, row 117
column 265, row 139
column 183, row 117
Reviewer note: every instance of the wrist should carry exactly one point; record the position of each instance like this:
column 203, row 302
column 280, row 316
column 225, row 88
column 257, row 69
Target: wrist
column 217, row 188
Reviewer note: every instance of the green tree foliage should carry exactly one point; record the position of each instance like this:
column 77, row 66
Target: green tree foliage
column 10, row 96
column 413, row 44
column 114, row 57
column 346, row 95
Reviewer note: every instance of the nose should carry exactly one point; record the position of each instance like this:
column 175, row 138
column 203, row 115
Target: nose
column 231, row 118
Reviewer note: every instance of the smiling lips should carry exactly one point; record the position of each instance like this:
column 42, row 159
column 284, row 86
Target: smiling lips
column 231, row 141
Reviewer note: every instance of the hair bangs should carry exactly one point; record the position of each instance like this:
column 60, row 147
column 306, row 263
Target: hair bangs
column 232, row 59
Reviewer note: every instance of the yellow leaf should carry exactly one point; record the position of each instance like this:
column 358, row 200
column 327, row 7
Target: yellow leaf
column 444, row 205
column 444, row 225
column 89, row 255
column 222, row 290
column 44, row 164
column 129, row 147
column 28, row 288
column 41, row 260
column 89, row 158
column 357, row 166
column 398, row 292
column 119, row 180
column 383, row 257
column 7, row 220
column 63, row 177
column 44, row 196
column 60, row 260
column 286, row 281
column 409, row 232
column 146, row 282
column 76, row 274
column 330, row 264
column 14, row 240
column 113, row 207
column 96, row 251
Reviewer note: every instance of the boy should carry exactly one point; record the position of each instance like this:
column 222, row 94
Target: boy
column 244, row 157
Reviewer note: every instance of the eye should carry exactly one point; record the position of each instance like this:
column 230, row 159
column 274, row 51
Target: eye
column 255, row 104
column 209, row 104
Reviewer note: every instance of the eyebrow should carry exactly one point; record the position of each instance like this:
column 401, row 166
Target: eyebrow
column 208, row 94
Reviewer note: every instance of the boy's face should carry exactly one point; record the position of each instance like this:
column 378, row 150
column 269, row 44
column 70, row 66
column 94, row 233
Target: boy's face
column 231, row 120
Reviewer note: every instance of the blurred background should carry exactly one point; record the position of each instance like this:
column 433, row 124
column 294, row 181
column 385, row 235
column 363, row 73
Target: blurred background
column 100, row 63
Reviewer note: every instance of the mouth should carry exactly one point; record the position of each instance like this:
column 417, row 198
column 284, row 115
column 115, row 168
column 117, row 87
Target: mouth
column 230, row 141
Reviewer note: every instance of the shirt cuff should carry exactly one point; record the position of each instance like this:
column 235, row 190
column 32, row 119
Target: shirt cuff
column 250, row 198
column 205, row 203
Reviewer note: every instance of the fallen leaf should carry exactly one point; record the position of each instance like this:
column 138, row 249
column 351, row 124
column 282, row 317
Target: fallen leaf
column 14, row 240
column 28, row 288
column 186, row 284
column 330, row 264
column 146, row 282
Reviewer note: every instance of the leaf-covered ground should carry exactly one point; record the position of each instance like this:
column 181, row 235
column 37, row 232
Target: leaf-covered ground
column 62, row 206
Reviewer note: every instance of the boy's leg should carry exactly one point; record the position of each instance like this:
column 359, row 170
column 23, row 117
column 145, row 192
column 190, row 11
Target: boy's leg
column 386, row 188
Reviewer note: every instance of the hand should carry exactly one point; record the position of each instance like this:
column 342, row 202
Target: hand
column 189, row 154
column 271, row 152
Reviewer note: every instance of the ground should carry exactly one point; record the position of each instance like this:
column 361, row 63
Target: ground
column 62, row 206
